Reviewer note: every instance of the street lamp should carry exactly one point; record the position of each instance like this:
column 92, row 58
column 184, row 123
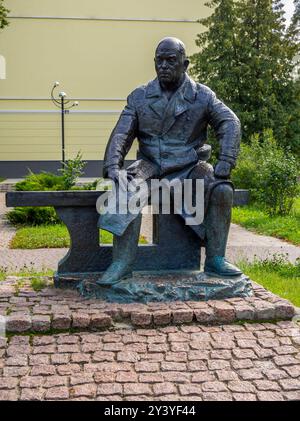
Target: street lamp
column 64, row 105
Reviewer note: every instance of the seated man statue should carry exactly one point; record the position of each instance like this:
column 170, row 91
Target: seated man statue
column 169, row 117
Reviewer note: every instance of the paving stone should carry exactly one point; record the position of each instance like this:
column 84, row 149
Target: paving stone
column 241, row 386
column 61, row 321
column 100, row 321
column 266, row 385
column 150, row 378
column 223, row 311
column 32, row 381
column 269, row 396
column 244, row 312
column 128, row 356
column 162, row 317
column 43, row 370
column 205, row 315
column 141, row 318
column 57, row 393
column 220, row 396
column 290, row 384
column 203, row 376
column 52, row 381
column 18, row 323
column 182, row 316
column 190, row 389
column 244, row 397
column 32, row 394
column 88, row 390
column 148, row 367
column 8, row 395
column 126, row 377
column 8, row 382
column 284, row 310
column 109, row 389
column 41, row 323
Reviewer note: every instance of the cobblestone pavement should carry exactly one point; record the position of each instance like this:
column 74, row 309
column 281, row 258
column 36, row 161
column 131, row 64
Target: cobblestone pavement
column 231, row 362
column 60, row 309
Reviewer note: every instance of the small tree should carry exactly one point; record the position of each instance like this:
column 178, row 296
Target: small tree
column 248, row 57
column 3, row 15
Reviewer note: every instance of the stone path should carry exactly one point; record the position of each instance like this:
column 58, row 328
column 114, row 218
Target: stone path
column 242, row 244
column 230, row 362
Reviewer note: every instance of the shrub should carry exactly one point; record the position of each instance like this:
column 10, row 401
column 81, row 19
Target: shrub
column 43, row 181
column 269, row 172
column 72, row 169
column 46, row 181
column 278, row 183
column 33, row 216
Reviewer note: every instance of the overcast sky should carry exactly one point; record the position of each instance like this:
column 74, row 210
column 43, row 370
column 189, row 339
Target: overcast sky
column 289, row 9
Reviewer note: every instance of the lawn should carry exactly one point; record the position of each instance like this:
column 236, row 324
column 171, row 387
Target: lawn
column 51, row 236
column 255, row 219
column 276, row 275
column 1, row 179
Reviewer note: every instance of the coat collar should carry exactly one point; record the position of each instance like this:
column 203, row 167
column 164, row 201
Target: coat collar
column 189, row 89
column 168, row 111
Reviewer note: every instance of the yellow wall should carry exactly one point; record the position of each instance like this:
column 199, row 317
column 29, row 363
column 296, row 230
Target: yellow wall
column 96, row 60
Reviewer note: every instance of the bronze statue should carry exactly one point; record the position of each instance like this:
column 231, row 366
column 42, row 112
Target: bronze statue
column 169, row 116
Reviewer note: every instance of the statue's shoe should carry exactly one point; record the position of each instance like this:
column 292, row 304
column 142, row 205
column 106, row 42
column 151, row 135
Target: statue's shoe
column 115, row 273
column 219, row 266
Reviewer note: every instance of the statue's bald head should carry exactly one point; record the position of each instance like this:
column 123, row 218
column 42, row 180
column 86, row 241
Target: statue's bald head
column 172, row 43
column 170, row 61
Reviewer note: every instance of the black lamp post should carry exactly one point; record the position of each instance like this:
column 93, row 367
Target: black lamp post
column 64, row 106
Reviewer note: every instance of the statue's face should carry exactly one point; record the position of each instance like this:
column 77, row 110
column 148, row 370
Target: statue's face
column 170, row 64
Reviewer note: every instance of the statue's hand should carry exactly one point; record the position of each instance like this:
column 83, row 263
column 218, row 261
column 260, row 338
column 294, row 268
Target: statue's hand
column 222, row 169
column 113, row 173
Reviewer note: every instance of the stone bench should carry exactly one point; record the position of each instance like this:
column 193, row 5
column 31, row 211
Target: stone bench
column 175, row 247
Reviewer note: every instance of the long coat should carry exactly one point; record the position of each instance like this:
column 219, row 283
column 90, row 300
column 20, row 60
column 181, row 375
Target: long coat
column 171, row 135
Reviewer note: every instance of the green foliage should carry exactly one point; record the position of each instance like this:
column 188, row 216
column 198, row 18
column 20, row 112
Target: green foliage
column 248, row 58
column 3, row 15
column 277, row 275
column 43, row 181
column 255, row 218
column 46, row 181
column 279, row 183
column 72, row 169
column 32, row 216
column 269, row 172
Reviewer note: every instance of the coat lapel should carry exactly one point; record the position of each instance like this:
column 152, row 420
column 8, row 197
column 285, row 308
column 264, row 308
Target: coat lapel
column 177, row 105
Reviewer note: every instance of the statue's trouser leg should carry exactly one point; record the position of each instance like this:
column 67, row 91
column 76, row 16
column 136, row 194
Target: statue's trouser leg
column 217, row 224
column 124, row 253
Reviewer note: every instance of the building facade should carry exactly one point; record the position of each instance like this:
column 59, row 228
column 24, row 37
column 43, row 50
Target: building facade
column 99, row 51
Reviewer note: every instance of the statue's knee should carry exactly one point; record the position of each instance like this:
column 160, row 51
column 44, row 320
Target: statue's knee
column 222, row 194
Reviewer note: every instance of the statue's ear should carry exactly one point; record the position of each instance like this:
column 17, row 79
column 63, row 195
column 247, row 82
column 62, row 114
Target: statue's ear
column 186, row 64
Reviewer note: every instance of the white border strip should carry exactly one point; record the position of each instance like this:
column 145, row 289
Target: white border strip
column 17, row 98
column 99, row 18
column 113, row 112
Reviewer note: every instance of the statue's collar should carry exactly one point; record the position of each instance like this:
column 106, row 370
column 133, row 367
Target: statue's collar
column 188, row 88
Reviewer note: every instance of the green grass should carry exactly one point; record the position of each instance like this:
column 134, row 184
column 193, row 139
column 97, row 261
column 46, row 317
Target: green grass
column 255, row 219
column 37, row 278
column 2, row 179
column 276, row 275
column 51, row 236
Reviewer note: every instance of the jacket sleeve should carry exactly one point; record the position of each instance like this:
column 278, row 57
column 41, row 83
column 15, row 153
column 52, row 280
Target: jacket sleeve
column 121, row 138
column 227, row 128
